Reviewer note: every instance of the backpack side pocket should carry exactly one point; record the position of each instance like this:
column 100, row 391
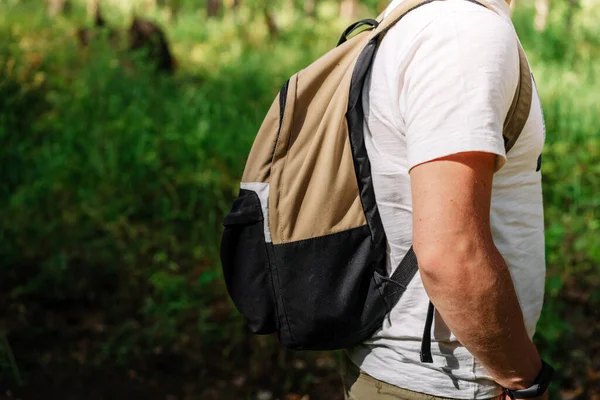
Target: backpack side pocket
column 246, row 265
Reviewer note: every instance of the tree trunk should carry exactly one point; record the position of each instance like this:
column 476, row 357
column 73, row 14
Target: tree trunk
column 271, row 24
column 56, row 7
column 92, row 8
column 94, row 13
column 573, row 6
column 310, row 8
column 213, row 8
column 170, row 7
column 348, row 9
column 232, row 4
column 542, row 8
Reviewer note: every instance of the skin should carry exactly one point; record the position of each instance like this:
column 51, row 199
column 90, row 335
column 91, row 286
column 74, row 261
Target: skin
column 463, row 272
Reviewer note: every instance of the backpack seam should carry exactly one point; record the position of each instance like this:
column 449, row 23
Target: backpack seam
column 286, row 117
column 325, row 236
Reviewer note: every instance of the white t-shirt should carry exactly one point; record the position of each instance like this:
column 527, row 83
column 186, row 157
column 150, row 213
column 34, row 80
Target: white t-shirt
column 442, row 82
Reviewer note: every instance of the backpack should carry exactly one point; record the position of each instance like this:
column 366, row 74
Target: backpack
column 304, row 250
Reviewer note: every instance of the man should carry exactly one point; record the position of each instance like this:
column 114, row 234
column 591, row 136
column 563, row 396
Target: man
column 439, row 91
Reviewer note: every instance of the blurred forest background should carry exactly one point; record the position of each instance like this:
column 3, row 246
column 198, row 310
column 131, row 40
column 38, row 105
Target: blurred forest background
column 124, row 128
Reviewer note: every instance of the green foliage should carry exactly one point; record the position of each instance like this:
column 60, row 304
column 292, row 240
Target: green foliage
column 116, row 182
column 115, row 179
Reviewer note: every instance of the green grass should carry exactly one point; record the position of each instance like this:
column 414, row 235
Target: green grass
column 115, row 180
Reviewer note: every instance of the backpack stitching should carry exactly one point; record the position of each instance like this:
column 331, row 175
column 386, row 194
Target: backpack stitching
column 279, row 190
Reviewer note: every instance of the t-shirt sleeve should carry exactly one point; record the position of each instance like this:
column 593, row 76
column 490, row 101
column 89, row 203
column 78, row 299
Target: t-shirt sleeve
column 460, row 81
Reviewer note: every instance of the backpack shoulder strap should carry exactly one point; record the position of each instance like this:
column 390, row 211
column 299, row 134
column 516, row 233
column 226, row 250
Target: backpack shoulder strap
column 519, row 110
column 395, row 15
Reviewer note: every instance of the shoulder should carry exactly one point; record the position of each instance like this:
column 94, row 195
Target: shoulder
column 465, row 49
column 456, row 39
column 471, row 30
column 462, row 28
column 457, row 78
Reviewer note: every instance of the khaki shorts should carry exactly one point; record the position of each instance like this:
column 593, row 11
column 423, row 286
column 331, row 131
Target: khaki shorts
column 360, row 386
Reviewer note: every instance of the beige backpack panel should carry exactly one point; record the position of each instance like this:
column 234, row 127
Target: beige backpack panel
column 310, row 165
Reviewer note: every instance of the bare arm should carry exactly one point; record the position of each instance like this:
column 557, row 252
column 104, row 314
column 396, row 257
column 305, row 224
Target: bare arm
column 463, row 273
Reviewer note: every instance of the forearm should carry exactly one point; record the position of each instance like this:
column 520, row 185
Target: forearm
column 469, row 283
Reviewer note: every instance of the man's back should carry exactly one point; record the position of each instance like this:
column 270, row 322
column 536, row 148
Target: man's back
column 442, row 83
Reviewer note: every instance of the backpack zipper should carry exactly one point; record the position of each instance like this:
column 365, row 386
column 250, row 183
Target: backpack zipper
column 282, row 102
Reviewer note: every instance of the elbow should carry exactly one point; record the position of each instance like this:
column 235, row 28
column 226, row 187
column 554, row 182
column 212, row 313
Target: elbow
column 433, row 263
column 451, row 261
